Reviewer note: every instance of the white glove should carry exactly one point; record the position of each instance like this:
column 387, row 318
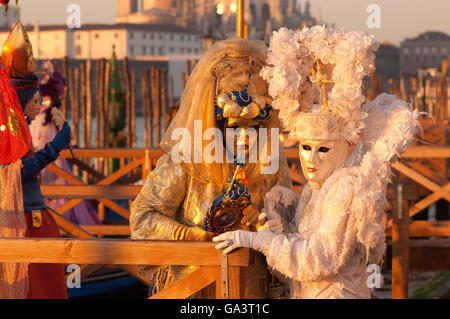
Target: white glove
column 242, row 238
column 58, row 118
column 234, row 239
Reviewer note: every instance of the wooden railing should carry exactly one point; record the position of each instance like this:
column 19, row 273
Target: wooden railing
column 414, row 179
column 106, row 189
column 226, row 271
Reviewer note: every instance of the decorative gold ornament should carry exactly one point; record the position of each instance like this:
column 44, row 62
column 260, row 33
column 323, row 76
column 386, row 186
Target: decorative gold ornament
column 13, row 122
column 320, row 78
column 36, row 218
column 227, row 216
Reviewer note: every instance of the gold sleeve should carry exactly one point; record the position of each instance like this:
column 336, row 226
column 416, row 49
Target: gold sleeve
column 153, row 211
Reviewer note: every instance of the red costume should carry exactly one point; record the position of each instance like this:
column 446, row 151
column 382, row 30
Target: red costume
column 45, row 281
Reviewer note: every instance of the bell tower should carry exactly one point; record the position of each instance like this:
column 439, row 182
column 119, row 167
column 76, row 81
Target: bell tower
column 151, row 4
column 126, row 7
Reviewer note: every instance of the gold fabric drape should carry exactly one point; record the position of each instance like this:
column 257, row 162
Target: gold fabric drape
column 13, row 276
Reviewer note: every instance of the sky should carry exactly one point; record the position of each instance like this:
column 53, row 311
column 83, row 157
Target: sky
column 398, row 19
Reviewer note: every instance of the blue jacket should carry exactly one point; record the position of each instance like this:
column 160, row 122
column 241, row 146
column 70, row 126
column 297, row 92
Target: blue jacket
column 32, row 196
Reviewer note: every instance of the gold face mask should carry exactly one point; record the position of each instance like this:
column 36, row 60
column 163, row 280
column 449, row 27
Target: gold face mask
column 319, row 158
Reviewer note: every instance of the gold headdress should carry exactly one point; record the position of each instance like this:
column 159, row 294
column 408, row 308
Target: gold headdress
column 224, row 70
column 17, row 53
column 239, row 93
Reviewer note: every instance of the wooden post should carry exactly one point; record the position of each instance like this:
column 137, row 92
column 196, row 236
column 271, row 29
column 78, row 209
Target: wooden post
column 83, row 113
column 73, row 105
column 396, row 89
column 76, row 113
column 403, row 93
column 88, row 104
column 145, row 106
column 100, row 109
column 236, row 282
column 97, row 105
column 158, row 107
column 379, row 85
column 156, row 103
column 101, row 213
column 133, row 109
column 171, row 92
column 188, row 69
column 128, row 100
column 105, row 140
column 68, row 80
column 372, row 91
column 97, row 111
column 165, row 116
column 83, row 102
column 400, row 246
column 147, row 166
column 150, row 106
column 444, row 97
column 437, row 98
column 391, row 86
column 414, row 92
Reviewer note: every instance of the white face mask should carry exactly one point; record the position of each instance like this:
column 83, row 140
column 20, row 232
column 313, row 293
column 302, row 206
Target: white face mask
column 319, row 158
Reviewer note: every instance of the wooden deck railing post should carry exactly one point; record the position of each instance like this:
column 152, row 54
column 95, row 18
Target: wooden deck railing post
column 236, row 282
column 400, row 246
column 127, row 76
column 222, row 283
column 65, row 74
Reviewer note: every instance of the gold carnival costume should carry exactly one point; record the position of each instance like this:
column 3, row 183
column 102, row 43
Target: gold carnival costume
column 175, row 198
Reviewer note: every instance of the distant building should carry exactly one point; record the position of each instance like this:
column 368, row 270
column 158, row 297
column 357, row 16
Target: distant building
column 425, row 51
column 262, row 16
column 162, row 30
column 387, row 63
column 94, row 41
column 140, row 42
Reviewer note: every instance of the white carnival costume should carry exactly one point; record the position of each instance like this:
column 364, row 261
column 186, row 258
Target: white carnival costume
column 324, row 239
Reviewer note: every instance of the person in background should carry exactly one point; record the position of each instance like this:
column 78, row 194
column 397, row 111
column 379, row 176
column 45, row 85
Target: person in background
column 43, row 130
column 46, row 281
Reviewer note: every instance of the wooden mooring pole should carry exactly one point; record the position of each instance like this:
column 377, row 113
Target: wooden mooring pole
column 400, row 246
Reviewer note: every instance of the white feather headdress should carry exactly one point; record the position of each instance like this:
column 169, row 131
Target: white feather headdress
column 315, row 78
